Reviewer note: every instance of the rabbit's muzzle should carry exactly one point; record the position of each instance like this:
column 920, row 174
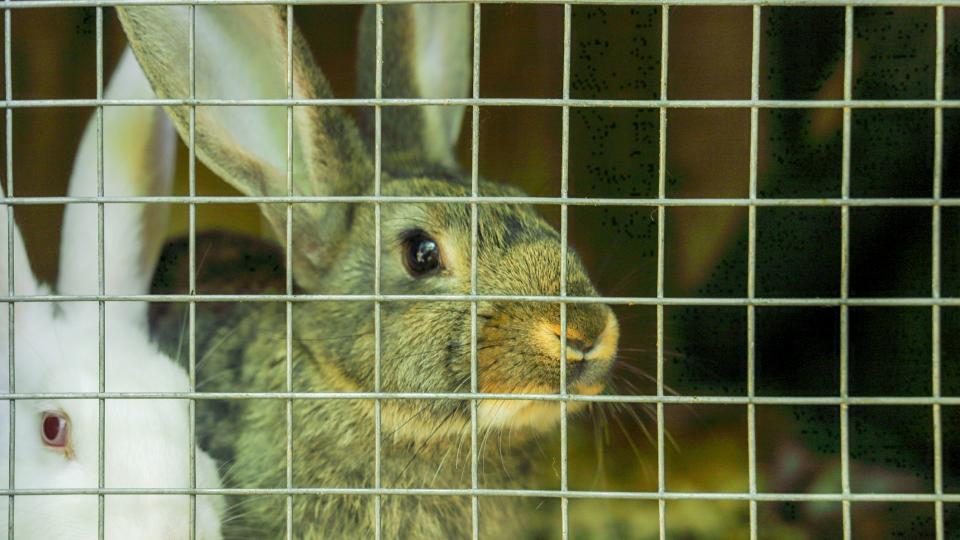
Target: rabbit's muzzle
column 590, row 352
column 588, row 356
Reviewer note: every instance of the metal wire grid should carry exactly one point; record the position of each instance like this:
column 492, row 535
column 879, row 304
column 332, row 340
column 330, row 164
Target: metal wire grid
column 661, row 202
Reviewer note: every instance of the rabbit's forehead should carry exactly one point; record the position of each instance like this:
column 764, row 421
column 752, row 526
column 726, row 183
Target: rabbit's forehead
column 498, row 223
column 64, row 356
column 55, row 359
column 451, row 186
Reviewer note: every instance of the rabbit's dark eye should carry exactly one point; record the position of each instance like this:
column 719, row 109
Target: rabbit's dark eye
column 55, row 429
column 421, row 254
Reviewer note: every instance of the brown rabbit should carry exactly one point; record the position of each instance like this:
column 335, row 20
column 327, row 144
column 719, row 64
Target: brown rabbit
column 425, row 249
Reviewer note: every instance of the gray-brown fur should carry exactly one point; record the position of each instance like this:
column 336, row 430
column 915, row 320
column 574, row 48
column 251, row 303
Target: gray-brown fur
column 425, row 347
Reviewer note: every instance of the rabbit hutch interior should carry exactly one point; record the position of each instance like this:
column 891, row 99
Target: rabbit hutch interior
column 308, row 270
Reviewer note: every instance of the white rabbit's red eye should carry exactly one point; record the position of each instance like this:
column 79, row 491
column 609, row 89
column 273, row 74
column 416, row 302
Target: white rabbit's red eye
column 55, row 429
column 421, row 254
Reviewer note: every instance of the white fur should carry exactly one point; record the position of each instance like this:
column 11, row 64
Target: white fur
column 147, row 442
column 139, row 150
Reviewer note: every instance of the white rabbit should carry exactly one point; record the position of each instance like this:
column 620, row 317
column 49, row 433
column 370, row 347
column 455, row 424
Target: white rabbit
column 147, row 442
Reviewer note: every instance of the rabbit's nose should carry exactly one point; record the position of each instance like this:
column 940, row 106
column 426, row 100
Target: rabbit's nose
column 576, row 341
column 601, row 345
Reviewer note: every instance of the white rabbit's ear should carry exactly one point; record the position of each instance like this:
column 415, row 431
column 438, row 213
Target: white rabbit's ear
column 241, row 53
column 24, row 282
column 426, row 54
column 139, row 149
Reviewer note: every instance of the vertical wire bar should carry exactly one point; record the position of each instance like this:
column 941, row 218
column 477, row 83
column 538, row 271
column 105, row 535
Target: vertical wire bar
column 752, row 275
column 564, row 239
column 101, row 305
column 288, row 279
column 11, row 312
column 935, row 276
column 474, row 192
column 661, row 236
column 378, row 360
column 845, row 274
column 192, row 246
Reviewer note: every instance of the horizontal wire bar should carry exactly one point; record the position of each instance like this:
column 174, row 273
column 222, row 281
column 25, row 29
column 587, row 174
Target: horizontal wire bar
column 465, row 396
column 618, row 300
column 24, row 4
column 489, row 492
column 500, row 102
column 480, row 199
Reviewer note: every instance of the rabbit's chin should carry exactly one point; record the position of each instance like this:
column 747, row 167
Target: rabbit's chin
column 531, row 416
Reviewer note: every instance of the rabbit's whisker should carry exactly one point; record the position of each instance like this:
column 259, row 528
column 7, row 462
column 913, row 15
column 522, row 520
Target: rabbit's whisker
column 632, row 413
column 599, row 472
column 634, row 369
column 463, row 437
column 627, row 435
column 423, row 446
column 423, row 408
column 184, row 318
column 622, row 282
column 443, row 459
column 631, row 410
column 222, row 338
column 499, row 406
column 324, row 338
column 503, row 463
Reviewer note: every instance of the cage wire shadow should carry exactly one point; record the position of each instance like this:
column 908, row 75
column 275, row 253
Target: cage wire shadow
column 935, row 301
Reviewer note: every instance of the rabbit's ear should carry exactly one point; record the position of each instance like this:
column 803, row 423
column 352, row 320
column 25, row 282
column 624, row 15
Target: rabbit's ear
column 139, row 149
column 426, row 54
column 241, row 53
column 24, row 282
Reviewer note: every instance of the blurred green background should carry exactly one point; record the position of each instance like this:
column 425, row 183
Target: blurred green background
column 613, row 153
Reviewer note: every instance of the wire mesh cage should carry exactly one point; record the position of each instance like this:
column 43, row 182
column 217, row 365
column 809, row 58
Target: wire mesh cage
column 762, row 192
